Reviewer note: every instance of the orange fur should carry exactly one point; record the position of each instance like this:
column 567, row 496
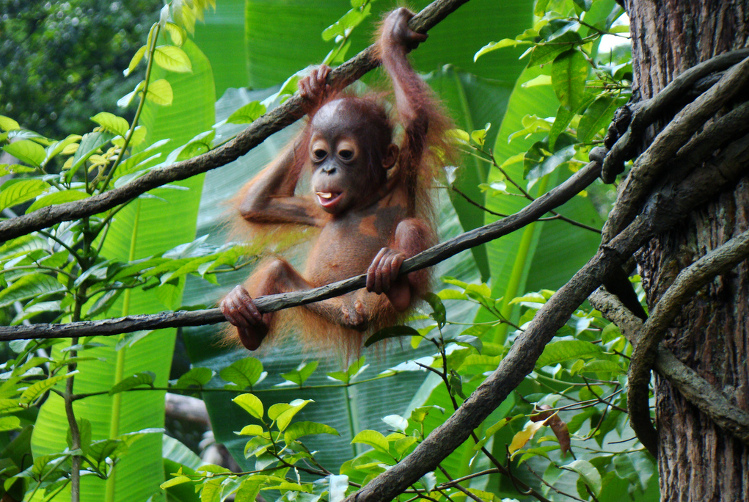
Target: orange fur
column 395, row 208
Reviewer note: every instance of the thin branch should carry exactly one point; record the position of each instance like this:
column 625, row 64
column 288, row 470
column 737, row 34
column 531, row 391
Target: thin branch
column 541, row 479
column 688, row 282
column 256, row 133
column 458, row 486
column 556, row 216
column 272, row 303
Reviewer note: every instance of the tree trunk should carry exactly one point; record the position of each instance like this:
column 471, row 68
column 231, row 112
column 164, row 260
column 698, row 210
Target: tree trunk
column 697, row 460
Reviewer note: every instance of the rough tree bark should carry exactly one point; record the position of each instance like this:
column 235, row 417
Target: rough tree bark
column 697, row 460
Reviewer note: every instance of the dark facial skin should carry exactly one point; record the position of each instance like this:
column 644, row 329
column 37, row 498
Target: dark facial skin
column 366, row 214
column 340, row 154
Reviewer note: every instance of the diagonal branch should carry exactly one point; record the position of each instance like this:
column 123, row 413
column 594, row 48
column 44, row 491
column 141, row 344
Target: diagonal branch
column 248, row 139
column 554, row 198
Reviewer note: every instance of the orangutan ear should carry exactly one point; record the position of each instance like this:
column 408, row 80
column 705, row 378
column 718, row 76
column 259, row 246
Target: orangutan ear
column 391, row 156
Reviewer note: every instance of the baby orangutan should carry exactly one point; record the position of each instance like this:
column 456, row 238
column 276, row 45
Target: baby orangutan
column 369, row 201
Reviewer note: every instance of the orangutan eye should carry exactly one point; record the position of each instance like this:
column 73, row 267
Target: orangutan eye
column 346, row 154
column 319, row 150
column 346, row 150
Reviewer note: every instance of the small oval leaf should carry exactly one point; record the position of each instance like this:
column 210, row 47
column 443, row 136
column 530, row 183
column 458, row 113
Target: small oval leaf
column 160, row 92
column 172, row 58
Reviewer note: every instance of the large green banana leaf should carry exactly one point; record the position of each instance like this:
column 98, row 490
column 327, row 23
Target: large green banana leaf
column 224, row 29
column 145, row 227
column 473, row 102
column 283, row 37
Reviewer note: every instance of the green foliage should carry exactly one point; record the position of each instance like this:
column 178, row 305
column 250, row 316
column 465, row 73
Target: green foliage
column 60, row 60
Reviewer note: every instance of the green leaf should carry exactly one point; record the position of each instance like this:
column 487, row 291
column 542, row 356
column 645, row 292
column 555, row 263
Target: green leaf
column 29, row 286
column 252, row 430
column 196, row 376
column 596, row 117
column 588, row 473
column 210, row 490
column 104, row 302
column 606, row 367
column 439, row 313
column 18, row 191
column 301, row 429
column 391, row 332
column 247, row 114
column 429, row 481
column 562, row 120
column 177, row 480
column 345, row 24
column 539, row 161
column 9, row 423
column 14, row 169
column 276, row 409
column 59, row 146
column 8, row 124
column 84, row 430
column 491, row 431
column 493, row 46
column 566, row 350
column 39, row 388
column 568, row 74
column 111, row 122
column 302, row 372
column 90, row 144
column 546, row 52
column 146, row 378
column 177, row 34
column 244, row 372
column 248, row 490
column 284, row 418
column 137, row 57
column 251, row 404
column 473, row 25
column 172, row 58
column 372, row 438
column 583, row 4
column 160, row 92
column 27, row 151
column 57, row 198
column 9, row 405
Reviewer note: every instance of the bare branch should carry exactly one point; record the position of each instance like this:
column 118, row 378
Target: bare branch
column 272, row 303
